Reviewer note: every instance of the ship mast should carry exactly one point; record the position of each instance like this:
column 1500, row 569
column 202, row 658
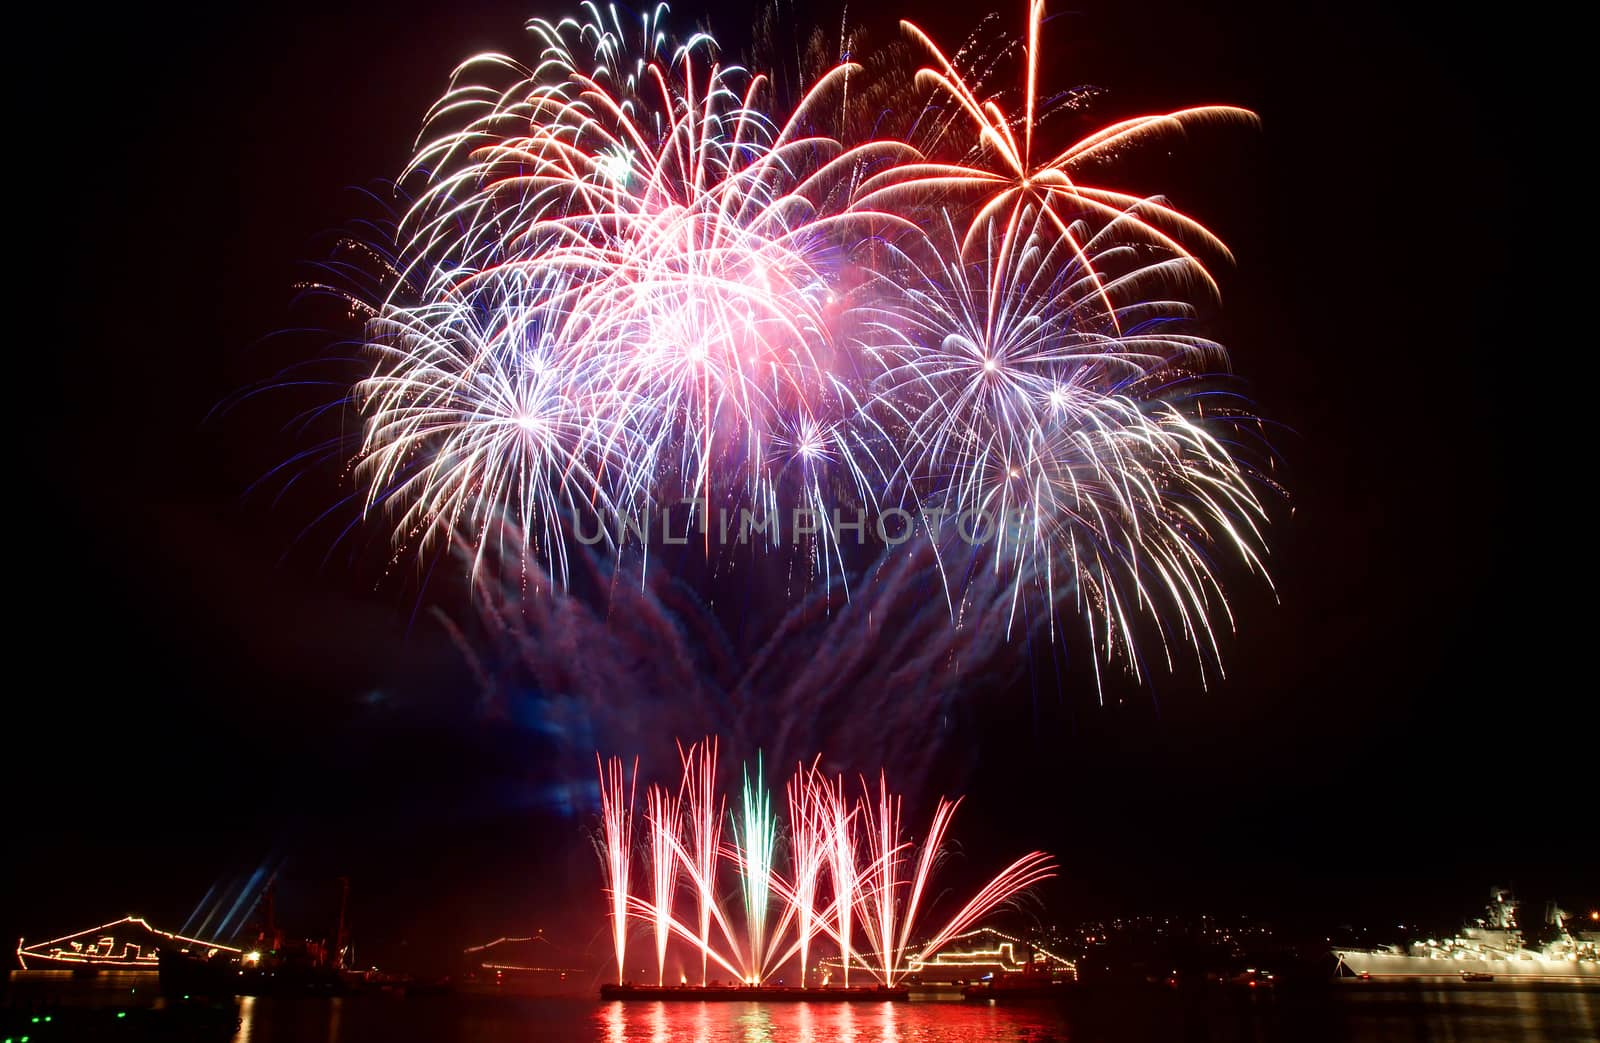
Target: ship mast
column 341, row 938
column 268, row 935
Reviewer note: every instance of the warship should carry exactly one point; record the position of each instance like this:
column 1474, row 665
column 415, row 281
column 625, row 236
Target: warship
column 1489, row 949
column 128, row 944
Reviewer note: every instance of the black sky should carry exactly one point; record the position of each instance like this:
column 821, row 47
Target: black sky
column 1396, row 731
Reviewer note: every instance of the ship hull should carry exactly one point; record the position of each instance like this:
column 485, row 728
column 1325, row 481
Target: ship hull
column 183, row 976
column 1386, row 966
column 84, row 967
column 1038, row 991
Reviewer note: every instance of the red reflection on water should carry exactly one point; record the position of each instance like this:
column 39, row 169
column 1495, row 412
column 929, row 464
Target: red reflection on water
column 724, row 1022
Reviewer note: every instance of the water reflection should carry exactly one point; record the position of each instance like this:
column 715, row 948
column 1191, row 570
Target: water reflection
column 616, row 1027
column 804, row 1024
column 272, row 1019
column 1380, row 1016
column 1467, row 1016
column 756, row 1024
column 1329, row 1015
column 888, row 1031
column 724, row 1022
column 247, row 1019
column 844, row 1022
column 335, row 1016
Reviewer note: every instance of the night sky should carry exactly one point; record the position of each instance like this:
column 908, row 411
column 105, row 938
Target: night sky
column 199, row 691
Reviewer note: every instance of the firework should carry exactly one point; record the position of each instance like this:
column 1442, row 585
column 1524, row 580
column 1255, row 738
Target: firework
column 881, row 884
column 632, row 275
column 756, row 839
column 616, row 849
column 842, row 864
column 704, row 814
column 808, row 853
column 665, row 819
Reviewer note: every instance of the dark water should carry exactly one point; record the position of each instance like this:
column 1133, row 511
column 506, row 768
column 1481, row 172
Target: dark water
column 1333, row 1014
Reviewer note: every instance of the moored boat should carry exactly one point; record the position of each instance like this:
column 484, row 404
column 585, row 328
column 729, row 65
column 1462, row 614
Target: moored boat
column 128, row 944
column 1491, row 949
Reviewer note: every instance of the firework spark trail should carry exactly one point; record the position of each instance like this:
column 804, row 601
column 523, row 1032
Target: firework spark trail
column 841, row 821
column 808, row 853
column 880, row 899
column 1039, row 419
column 693, row 302
column 644, row 910
column 665, row 818
column 704, row 812
column 880, row 881
column 890, row 902
column 616, row 816
column 630, row 276
column 755, row 843
column 932, row 848
column 1016, row 179
column 1032, row 868
column 888, row 906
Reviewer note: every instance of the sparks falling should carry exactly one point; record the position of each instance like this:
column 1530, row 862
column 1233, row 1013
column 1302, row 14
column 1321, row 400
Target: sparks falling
column 631, row 276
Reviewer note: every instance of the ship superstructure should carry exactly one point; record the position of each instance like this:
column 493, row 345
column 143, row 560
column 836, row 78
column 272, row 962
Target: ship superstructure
column 126, row 944
column 986, row 954
column 1492, row 948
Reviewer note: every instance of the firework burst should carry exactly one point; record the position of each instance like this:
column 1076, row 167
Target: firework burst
column 631, row 276
column 880, row 879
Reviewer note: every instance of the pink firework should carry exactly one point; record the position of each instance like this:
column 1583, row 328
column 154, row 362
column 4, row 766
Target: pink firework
column 841, row 822
column 616, row 820
column 703, row 807
column 808, row 846
column 634, row 275
column 665, row 819
column 880, row 879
